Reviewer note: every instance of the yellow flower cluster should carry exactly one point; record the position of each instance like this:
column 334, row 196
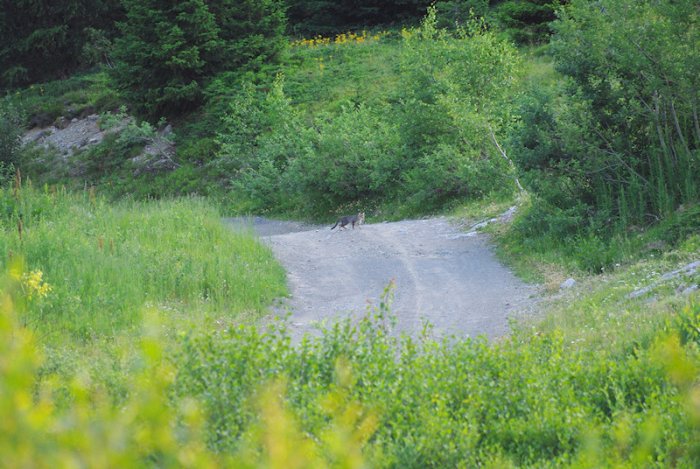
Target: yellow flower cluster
column 34, row 286
column 340, row 39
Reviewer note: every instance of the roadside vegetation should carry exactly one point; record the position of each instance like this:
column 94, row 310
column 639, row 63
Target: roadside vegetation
column 100, row 263
column 130, row 330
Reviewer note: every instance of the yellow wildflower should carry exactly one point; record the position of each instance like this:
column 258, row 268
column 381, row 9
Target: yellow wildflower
column 34, row 286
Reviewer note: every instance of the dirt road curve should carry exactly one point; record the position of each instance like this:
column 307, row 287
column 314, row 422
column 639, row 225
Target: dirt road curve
column 442, row 275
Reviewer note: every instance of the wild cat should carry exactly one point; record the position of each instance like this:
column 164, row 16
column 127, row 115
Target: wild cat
column 354, row 219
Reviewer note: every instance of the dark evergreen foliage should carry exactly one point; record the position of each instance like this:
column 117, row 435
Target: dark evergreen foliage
column 162, row 55
column 527, row 21
column 43, row 39
column 252, row 32
column 169, row 52
column 327, row 16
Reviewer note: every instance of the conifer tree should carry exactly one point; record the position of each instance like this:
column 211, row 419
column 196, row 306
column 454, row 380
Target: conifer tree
column 252, row 32
column 162, row 54
column 43, row 39
column 169, row 51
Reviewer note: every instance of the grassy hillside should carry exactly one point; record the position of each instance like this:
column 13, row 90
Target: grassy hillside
column 103, row 263
column 374, row 119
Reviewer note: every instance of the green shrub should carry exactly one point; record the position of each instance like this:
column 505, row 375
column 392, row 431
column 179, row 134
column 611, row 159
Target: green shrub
column 603, row 152
column 605, row 136
column 260, row 136
column 426, row 143
column 355, row 155
column 457, row 13
column 532, row 400
column 449, row 111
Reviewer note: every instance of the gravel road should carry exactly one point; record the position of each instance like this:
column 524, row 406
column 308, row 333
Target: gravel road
column 443, row 275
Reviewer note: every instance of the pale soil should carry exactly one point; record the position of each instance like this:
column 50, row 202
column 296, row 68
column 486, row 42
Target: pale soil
column 443, row 275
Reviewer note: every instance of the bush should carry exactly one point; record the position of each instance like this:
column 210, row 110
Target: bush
column 621, row 145
column 605, row 152
column 532, row 400
column 449, row 111
column 261, row 134
column 356, row 155
column 428, row 144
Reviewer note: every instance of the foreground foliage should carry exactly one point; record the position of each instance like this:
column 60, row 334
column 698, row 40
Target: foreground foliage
column 145, row 376
column 359, row 395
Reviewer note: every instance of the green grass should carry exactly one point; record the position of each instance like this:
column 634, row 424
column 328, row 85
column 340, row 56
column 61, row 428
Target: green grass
column 79, row 95
column 107, row 262
column 599, row 314
column 322, row 78
column 539, row 257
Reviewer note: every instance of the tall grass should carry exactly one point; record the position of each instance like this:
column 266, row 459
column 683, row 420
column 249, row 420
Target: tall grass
column 105, row 262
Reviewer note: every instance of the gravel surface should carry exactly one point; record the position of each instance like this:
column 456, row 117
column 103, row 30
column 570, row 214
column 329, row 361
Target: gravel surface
column 442, row 275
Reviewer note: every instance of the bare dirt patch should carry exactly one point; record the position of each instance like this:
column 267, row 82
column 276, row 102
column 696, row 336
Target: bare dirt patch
column 442, row 275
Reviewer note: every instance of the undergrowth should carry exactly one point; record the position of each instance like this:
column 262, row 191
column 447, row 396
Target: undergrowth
column 358, row 395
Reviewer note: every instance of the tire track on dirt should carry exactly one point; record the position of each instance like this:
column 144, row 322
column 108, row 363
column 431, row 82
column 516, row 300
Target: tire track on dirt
column 449, row 278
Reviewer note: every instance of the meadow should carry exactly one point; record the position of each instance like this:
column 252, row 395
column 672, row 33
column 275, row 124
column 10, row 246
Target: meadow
column 603, row 381
column 91, row 266
column 134, row 326
column 130, row 336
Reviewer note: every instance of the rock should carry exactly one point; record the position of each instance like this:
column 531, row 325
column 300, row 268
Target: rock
column 656, row 246
column 508, row 215
column 688, row 269
column 568, row 283
column 157, row 156
column 74, row 120
column 690, row 289
column 167, row 130
column 640, row 292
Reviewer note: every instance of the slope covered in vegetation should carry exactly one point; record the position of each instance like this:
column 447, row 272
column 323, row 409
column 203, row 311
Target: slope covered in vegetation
column 127, row 327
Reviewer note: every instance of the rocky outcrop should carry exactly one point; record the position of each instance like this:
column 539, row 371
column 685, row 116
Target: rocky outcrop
column 69, row 137
column 158, row 154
